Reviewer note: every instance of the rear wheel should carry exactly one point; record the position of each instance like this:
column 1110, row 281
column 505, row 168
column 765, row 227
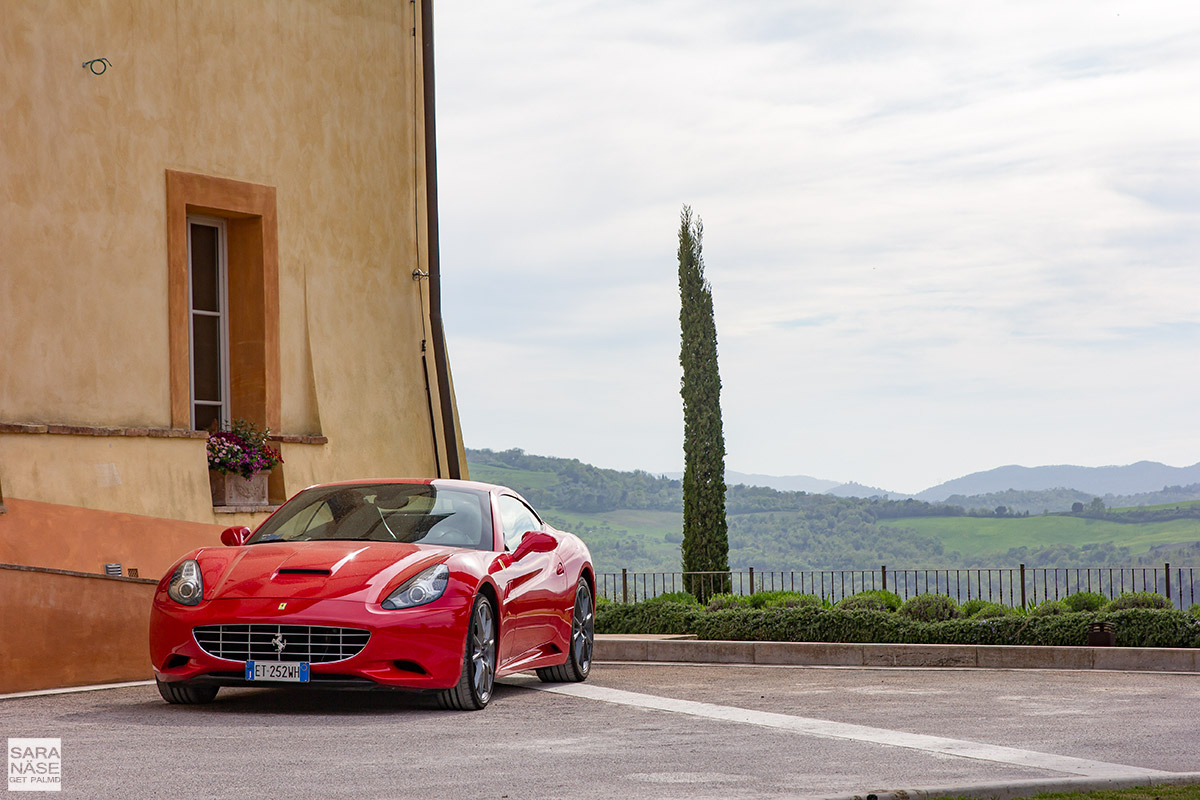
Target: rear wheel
column 474, row 688
column 583, row 632
column 186, row 694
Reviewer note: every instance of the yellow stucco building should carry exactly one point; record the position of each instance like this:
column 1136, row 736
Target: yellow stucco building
column 210, row 210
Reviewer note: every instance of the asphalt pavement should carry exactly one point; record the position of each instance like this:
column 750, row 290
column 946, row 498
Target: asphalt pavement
column 633, row 731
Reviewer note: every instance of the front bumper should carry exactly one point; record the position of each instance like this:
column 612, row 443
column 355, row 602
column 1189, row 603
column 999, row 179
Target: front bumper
column 414, row 648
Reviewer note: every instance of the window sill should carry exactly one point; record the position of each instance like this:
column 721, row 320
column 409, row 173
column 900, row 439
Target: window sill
column 154, row 433
column 267, row 509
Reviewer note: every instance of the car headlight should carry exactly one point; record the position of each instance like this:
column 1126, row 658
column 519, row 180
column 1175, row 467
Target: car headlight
column 425, row 587
column 186, row 586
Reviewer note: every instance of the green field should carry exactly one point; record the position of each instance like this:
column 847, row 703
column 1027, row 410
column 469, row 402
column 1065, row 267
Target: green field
column 512, row 477
column 625, row 538
column 975, row 536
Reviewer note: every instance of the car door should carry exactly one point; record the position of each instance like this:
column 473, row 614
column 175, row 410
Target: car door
column 531, row 585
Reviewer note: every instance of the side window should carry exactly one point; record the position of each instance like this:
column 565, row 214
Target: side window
column 516, row 518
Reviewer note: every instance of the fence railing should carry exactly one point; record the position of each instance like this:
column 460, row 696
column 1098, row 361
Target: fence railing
column 1019, row 587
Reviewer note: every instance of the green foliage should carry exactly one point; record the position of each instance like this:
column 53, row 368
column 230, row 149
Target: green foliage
column 983, row 609
column 705, row 546
column 1085, row 601
column 1138, row 600
column 648, row 617
column 1194, row 611
column 783, row 599
column 929, row 608
column 1049, row 608
column 873, row 600
column 730, row 619
column 767, row 599
column 675, row 597
column 1153, row 627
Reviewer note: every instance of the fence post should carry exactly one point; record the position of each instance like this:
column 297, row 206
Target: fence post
column 752, row 580
column 1167, row 573
column 624, row 586
column 883, row 572
column 1022, row 585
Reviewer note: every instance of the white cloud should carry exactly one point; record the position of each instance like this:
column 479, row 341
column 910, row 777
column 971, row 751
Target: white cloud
column 940, row 238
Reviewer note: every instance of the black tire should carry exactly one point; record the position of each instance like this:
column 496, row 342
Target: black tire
column 186, row 694
column 583, row 636
column 475, row 684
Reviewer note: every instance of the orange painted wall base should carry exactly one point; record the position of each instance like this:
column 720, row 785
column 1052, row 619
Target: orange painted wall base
column 62, row 629
column 82, row 539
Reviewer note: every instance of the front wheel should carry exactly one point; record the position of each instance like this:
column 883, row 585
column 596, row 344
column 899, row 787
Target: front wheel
column 185, row 694
column 474, row 688
column 583, row 634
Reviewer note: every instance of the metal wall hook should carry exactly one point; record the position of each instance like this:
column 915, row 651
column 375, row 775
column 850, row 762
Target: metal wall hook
column 103, row 63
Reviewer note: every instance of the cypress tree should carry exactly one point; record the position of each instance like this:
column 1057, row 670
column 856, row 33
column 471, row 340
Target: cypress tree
column 705, row 530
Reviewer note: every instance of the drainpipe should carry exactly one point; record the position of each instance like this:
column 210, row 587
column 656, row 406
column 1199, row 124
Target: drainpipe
column 440, row 361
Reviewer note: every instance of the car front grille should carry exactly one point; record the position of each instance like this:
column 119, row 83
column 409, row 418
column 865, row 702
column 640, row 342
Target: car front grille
column 316, row 644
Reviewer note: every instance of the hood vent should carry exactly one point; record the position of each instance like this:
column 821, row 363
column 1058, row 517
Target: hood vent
column 299, row 571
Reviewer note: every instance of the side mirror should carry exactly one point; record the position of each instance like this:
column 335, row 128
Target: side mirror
column 235, row 536
column 534, row 542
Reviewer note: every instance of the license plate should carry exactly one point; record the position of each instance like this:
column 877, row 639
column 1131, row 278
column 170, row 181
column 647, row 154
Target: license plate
column 290, row 672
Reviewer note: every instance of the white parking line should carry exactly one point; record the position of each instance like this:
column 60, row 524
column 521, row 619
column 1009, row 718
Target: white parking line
column 859, row 733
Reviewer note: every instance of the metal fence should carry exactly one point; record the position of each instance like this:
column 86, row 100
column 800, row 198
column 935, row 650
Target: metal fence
column 1020, row 587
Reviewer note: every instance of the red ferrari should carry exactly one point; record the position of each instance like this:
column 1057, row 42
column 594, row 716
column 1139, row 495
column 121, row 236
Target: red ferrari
column 432, row 585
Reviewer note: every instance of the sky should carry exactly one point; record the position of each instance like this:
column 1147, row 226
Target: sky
column 941, row 237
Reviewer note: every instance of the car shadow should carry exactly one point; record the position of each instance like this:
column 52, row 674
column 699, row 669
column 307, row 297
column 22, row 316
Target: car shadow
column 279, row 702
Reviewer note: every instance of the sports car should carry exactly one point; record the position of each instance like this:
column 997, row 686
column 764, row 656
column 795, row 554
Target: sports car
column 436, row 585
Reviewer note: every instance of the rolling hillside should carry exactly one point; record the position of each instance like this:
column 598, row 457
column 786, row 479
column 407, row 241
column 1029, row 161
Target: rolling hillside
column 634, row 519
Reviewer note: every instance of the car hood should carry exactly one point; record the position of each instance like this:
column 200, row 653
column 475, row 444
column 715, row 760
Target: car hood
column 325, row 569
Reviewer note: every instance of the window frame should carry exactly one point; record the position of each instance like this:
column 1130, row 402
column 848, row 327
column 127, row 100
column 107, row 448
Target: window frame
column 252, row 283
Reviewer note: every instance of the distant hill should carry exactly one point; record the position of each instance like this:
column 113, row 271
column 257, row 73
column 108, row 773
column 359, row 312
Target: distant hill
column 634, row 520
column 1144, row 476
column 854, row 489
column 781, row 483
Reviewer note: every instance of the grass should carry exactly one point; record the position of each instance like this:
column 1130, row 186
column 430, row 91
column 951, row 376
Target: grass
column 511, row 476
column 975, row 536
column 1159, row 792
column 605, row 531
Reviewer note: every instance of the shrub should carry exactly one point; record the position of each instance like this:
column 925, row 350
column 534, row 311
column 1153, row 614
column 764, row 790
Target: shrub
column 780, row 598
column 872, row 600
column 982, row 609
column 1153, row 627
column 726, row 600
column 929, row 608
column 1049, row 608
column 648, row 617
column 1085, row 601
column 675, row 597
column 1138, row 600
column 1194, row 611
column 1134, row 627
column 804, row 601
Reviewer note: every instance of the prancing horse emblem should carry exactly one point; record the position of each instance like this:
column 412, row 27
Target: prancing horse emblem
column 279, row 643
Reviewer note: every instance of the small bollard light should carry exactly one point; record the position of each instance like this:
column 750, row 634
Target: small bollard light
column 1101, row 634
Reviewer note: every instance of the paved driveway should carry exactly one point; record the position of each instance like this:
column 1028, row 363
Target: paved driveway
column 630, row 731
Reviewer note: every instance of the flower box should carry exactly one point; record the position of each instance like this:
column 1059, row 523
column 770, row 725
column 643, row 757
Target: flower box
column 231, row 489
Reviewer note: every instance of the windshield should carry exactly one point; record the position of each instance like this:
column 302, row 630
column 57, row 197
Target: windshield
column 383, row 512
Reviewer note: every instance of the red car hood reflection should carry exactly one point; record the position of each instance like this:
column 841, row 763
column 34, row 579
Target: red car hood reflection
column 351, row 569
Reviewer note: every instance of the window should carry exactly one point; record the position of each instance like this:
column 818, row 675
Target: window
column 208, row 300
column 223, row 267
column 516, row 519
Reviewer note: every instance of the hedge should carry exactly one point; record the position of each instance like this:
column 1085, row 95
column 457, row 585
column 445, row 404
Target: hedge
column 1133, row 627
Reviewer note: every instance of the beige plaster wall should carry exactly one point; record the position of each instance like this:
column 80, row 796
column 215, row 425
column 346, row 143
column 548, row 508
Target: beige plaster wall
column 318, row 98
